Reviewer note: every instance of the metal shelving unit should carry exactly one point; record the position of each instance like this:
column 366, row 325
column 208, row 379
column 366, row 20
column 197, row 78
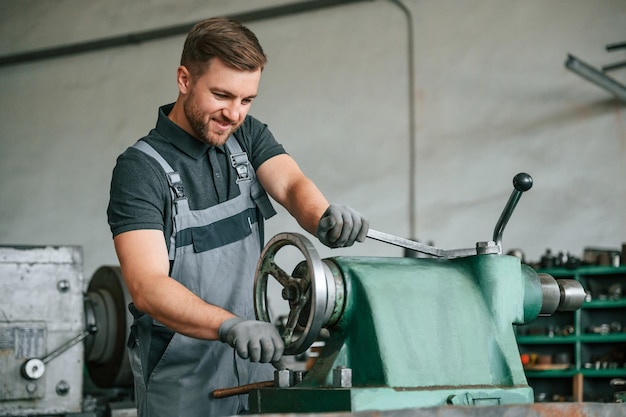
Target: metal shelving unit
column 590, row 342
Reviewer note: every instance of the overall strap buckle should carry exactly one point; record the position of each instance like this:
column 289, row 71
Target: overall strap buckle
column 176, row 184
column 240, row 162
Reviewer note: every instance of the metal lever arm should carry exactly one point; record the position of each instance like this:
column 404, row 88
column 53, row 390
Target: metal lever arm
column 521, row 182
column 404, row 243
column 34, row 368
column 419, row 247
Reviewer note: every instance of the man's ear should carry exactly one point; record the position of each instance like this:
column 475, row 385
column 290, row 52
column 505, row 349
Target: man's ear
column 183, row 79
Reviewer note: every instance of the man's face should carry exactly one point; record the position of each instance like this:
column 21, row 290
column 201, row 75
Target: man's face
column 218, row 101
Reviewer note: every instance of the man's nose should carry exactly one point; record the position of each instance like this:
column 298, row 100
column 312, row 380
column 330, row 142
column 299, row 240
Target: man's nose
column 232, row 111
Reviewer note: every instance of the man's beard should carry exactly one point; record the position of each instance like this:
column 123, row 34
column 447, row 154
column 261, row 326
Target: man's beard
column 201, row 129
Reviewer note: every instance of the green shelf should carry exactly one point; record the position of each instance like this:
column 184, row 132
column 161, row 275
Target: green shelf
column 568, row 373
column 604, row 373
column 583, row 347
column 545, row 340
column 552, row 373
column 606, row 338
column 621, row 303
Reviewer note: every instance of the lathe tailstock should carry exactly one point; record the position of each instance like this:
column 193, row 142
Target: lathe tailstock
column 404, row 333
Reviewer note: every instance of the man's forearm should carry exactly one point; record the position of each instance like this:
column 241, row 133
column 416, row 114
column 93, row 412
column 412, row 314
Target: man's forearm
column 172, row 304
column 145, row 265
column 306, row 204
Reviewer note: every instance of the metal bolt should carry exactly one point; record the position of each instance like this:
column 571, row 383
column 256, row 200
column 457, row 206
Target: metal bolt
column 31, row 387
column 62, row 388
column 63, row 285
column 283, row 378
column 298, row 376
column 342, row 377
column 484, row 248
column 291, row 292
column 286, row 293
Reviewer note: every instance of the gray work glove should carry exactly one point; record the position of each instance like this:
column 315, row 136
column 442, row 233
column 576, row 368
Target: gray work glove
column 340, row 226
column 256, row 340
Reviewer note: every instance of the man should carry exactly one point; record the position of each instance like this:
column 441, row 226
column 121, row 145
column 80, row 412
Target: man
column 186, row 211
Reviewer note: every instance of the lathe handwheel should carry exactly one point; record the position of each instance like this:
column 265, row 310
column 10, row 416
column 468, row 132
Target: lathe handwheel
column 307, row 295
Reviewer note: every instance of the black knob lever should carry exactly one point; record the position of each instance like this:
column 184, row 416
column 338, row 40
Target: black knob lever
column 521, row 182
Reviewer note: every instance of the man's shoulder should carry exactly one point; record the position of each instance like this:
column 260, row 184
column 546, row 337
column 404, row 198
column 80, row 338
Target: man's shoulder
column 258, row 141
column 135, row 164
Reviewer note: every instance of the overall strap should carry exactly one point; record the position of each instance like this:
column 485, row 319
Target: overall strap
column 245, row 172
column 179, row 200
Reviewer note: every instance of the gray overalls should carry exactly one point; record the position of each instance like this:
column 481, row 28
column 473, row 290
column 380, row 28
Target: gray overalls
column 214, row 253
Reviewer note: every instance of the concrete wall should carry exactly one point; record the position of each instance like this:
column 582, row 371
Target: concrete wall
column 492, row 98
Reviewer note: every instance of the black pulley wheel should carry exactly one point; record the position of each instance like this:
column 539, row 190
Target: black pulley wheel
column 106, row 308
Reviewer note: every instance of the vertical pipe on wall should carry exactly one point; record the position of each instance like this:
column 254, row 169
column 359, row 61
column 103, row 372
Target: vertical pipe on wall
column 412, row 116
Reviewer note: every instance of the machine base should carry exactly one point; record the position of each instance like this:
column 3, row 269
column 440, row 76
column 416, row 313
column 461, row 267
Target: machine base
column 319, row 400
column 526, row 410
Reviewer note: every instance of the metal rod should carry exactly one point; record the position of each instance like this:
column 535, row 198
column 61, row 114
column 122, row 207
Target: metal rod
column 505, row 216
column 65, row 347
column 616, row 45
column 612, row 67
column 412, row 117
column 242, row 389
column 597, row 77
column 521, row 182
column 160, row 33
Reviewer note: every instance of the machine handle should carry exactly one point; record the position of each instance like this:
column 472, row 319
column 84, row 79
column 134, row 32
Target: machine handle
column 34, row 368
column 242, row 389
column 521, row 182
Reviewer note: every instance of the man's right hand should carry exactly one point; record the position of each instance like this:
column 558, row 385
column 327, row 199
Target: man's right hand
column 340, row 226
column 256, row 340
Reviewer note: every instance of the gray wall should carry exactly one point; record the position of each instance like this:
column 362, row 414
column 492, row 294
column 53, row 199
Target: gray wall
column 492, row 98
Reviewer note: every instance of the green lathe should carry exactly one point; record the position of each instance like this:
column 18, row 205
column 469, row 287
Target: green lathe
column 406, row 332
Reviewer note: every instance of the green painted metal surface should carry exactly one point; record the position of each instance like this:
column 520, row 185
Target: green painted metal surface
column 420, row 333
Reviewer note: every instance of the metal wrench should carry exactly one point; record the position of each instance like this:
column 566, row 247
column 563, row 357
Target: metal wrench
column 404, row 243
column 522, row 182
column 419, row 247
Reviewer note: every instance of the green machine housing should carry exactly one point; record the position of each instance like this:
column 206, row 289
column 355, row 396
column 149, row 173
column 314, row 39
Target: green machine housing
column 406, row 332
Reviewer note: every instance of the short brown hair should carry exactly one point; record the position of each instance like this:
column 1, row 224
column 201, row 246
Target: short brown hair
column 226, row 39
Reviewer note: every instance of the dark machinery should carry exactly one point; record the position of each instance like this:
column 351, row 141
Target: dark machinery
column 55, row 337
